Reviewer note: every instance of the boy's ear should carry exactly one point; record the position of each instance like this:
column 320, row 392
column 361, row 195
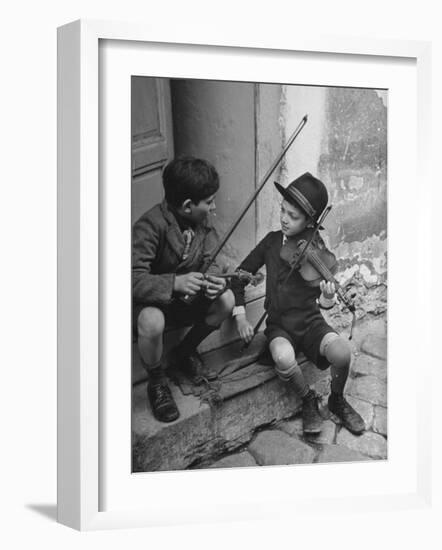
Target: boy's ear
column 186, row 206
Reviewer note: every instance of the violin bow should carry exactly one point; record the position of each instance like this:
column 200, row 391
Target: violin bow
column 212, row 258
column 257, row 192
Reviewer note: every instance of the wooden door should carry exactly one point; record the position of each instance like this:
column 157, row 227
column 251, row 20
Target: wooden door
column 152, row 140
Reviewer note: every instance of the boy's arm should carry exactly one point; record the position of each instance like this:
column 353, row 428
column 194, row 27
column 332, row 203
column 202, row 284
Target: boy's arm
column 147, row 287
column 251, row 263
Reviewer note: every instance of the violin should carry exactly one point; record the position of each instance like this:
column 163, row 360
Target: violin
column 308, row 254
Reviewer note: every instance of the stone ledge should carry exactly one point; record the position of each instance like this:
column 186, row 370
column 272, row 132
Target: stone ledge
column 202, row 431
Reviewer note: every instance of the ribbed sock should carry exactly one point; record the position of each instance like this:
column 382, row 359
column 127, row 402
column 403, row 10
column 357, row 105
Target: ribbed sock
column 298, row 382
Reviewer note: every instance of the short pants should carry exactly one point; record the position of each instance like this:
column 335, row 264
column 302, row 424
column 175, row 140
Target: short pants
column 309, row 343
column 177, row 313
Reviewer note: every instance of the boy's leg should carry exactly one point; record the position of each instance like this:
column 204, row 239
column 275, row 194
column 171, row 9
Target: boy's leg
column 186, row 351
column 289, row 371
column 150, row 344
column 338, row 354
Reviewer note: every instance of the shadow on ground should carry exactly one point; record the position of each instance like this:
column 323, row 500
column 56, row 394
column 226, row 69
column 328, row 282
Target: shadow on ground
column 48, row 511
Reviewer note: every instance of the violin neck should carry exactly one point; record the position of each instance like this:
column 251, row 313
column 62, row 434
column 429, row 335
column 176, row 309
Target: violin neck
column 322, row 268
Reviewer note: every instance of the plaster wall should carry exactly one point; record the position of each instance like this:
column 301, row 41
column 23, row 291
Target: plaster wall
column 344, row 144
column 216, row 120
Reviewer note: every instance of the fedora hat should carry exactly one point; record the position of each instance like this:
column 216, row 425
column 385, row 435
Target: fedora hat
column 307, row 193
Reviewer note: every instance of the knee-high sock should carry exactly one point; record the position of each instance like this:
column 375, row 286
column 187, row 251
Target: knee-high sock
column 339, row 375
column 293, row 375
column 297, row 380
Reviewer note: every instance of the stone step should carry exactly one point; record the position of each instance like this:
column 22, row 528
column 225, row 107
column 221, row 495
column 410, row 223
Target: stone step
column 256, row 399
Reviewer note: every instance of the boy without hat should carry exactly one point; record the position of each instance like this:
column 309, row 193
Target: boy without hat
column 294, row 321
column 171, row 244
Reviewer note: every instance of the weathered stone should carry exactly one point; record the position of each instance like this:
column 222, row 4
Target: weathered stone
column 369, row 444
column 292, row 427
column 201, row 431
column 367, row 325
column 337, row 453
column 273, row 447
column 368, row 388
column 380, row 420
column 363, row 408
column 237, row 460
column 375, row 346
column 326, row 435
column 368, row 365
column 322, row 387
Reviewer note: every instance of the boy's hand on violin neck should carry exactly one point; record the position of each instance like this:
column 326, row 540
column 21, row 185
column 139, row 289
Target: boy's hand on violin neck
column 245, row 329
column 328, row 289
column 189, row 283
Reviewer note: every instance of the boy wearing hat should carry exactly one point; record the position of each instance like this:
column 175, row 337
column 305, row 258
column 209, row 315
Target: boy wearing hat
column 295, row 322
column 171, row 244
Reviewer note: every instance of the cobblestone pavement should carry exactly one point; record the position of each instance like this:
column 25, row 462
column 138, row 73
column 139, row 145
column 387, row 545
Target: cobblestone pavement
column 366, row 391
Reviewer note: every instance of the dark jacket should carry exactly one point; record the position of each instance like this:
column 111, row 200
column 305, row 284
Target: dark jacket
column 157, row 249
column 292, row 304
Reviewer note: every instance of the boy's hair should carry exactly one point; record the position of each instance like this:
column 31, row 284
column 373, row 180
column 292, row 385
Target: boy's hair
column 189, row 178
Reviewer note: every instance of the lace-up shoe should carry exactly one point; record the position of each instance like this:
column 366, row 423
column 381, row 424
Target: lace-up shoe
column 162, row 403
column 346, row 413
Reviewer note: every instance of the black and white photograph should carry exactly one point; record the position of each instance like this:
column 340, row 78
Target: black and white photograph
column 259, row 274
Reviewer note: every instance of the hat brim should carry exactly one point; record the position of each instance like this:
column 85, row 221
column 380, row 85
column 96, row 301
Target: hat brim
column 291, row 200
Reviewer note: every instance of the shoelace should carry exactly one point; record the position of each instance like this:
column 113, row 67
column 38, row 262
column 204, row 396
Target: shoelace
column 163, row 394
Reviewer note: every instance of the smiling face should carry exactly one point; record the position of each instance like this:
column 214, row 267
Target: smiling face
column 293, row 220
column 199, row 212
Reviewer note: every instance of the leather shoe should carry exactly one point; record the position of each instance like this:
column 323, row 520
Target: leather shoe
column 345, row 412
column 162, row 403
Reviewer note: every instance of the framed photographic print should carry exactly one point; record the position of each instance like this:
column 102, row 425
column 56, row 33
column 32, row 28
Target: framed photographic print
column 197, row 352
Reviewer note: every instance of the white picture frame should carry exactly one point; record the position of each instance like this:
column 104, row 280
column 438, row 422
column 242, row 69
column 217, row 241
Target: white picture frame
column 80, row 438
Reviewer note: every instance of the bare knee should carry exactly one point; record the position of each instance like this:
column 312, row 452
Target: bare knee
column 151, row 322
column 338, row 352
column 282, row 352
column 221, row 307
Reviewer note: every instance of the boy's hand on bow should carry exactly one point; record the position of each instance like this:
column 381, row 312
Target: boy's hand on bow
column 328, row 289
column 245, row 329
column 213, row 286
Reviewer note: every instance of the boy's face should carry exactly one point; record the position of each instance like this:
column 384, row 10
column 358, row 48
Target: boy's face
column 199, row 212
column 293, row 220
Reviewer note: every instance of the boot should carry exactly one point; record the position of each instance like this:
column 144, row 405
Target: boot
column 311, row 419
column 346, row 413
column 161, row 401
